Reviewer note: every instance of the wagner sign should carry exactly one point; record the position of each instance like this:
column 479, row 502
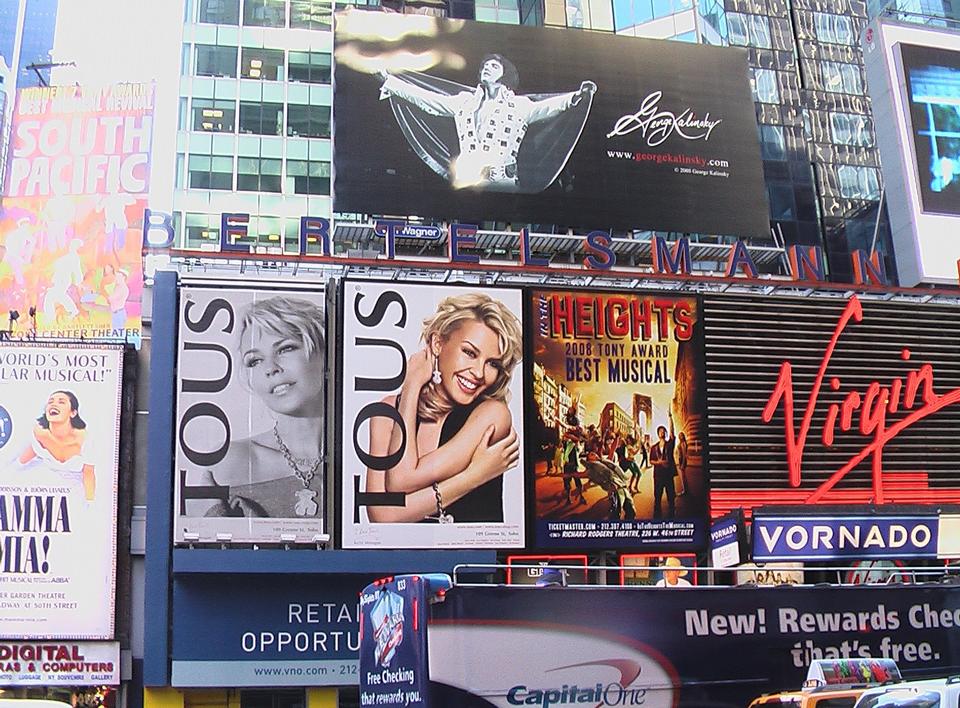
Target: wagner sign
column 853, row 403
column 448, row 118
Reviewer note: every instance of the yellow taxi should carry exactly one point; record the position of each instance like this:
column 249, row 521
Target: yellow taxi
column 833, row 683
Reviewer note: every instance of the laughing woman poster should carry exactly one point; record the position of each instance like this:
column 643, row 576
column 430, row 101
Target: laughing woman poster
column 432, row 422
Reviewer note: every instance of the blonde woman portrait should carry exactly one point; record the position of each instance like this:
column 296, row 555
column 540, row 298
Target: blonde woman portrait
column 279, row 358
column 453, row 403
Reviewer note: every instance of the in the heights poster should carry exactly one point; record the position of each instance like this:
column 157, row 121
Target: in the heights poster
column 617, row 425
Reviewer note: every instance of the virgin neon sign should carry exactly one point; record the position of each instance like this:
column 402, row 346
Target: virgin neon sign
column 875, row 410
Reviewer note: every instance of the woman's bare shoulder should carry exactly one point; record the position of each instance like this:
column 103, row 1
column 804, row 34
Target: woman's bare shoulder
column 492, row 412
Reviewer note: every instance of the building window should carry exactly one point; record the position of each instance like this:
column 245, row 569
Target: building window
column 264, row 13
column 308, row 177
column 213, row 116
column 182, row 114
column 178, row 173
column 216, row 61
column 771, row 142
column 748, row 30
column 858, row 182
column 765, row 86
column 850, row 129
column 833, row 29
column 272, row 699
column 208, row 172
column 309, row 67
column 506, row 12
column 841, row 78
column 311, row 14
column 630, row 13
column 308, row 121
column 219, row 12
column 258, row 174
column 261, row 118
column 202, row 230
column 265, row 64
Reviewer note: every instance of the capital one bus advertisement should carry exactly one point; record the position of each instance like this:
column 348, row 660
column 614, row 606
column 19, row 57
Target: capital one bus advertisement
column 59, row 433
column 72, row 215
column 616, row 421
column 683, row 648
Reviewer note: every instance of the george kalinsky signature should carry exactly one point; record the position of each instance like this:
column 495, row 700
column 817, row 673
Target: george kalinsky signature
column 657, row 125
column 873, row 407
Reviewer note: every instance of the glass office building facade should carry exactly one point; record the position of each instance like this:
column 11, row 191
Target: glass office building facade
column 255, row 97
column 254, row 119
column 821, row 162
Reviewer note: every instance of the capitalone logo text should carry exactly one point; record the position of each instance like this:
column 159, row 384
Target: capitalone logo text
column 614, row 693
column 657, row 125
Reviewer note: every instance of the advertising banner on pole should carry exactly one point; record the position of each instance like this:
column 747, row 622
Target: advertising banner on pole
column 617, row 420
column 664, row 648
column 393, row 643
column 71, row 222
column 265, row 631
column 250, row 415
column 911, row 71
column 59, row 447
column 432, row 402
column 73, row 664
column 478, row 121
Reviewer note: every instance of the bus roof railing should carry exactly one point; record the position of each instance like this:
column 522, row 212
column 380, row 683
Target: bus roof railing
column 877, row 575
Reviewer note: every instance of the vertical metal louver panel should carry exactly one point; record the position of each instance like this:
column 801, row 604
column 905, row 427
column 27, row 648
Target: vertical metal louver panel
column 747, row 339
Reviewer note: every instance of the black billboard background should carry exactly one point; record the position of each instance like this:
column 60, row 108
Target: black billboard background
column 747, row 339
column 376, row 171
column 775, row 631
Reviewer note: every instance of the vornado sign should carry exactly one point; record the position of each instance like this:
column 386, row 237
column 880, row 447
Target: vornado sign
column 819, row 538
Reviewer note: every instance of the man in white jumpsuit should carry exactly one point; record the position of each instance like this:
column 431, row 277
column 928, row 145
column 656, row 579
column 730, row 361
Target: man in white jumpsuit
column 491, row 120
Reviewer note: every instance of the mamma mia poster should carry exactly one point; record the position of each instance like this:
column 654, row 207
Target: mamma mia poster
column 617, row 424
column 59, row 446
column 432, row 427
column 478, row 121
column 250, row 416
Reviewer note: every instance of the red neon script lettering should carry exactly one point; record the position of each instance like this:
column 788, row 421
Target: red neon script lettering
column 874, row 405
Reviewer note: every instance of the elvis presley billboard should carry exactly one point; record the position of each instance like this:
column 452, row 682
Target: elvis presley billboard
column 449, row 118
